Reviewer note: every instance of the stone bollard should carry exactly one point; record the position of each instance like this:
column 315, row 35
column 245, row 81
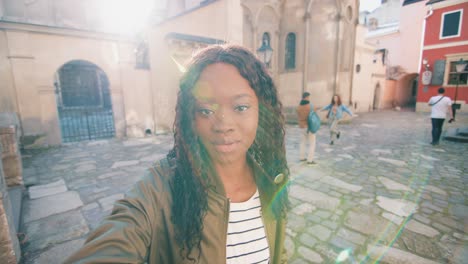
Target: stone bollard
column 11, row 156
column 10, row 252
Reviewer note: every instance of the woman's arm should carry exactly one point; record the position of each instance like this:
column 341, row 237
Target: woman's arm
column 325, row 108
column 346, row 109
column 124, row 236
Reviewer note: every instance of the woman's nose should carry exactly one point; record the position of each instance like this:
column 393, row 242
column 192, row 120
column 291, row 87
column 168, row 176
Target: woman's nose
column 223, row 121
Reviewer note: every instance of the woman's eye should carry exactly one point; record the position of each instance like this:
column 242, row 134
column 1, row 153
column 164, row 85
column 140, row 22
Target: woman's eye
column 205, row 112
column 242, row 108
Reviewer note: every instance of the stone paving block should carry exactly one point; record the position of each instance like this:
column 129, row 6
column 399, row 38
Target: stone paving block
column 108, row 202
column 393, row 185
column 461, row 236
column 394, row 255
column 319, row 232
column 369, row 224
column 153, row 158
column 351, row 236
column 54, row 230
column 299, row 261
column 315, row 198
column 420, row 228
column 296, row 222
column 442, row 228
column 47, row 189
column 314, row 219
column 49, row 205
column 125, row 163
column 341, row 184
column 322, row 214
column 396, row 206
column 432, row 207
column 393, row 161
column 330, row 224
column 310, row 255
column 343, row 243
column 381, row 151
column 459, row 210
column 61, row 167
column 394, row 218
column 59, row 253
column 303, row 209
column 307, row 240
column 429, row 158
column 421, row 218
column 85, row 167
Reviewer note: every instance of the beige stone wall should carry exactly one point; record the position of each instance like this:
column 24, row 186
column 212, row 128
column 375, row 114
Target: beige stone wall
column 8, row 101
column 168, row 55
column 34, row 63
column 369, row 76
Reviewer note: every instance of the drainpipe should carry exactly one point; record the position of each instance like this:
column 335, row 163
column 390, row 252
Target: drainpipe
column 423, row 33
column 306, row 46
column 337, row 45
column 356, row 23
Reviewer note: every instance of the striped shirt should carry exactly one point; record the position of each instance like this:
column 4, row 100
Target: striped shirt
column 246, row 239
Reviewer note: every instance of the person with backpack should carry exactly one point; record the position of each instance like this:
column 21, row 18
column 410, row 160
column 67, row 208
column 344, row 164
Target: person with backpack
column 335, row 112
column 440, row 106
column 308, row 125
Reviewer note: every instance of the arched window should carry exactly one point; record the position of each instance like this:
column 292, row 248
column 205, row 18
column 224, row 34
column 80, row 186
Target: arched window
column 290, row 55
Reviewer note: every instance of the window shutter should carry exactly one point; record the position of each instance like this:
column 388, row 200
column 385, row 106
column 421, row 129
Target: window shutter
column 438, row 74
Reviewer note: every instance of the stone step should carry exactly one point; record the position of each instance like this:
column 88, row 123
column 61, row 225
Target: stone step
column 457, row 135
column 16, row 199
column 463, row 131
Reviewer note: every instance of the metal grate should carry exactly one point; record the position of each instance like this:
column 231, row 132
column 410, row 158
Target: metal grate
column 86, row 124
column 84, row 104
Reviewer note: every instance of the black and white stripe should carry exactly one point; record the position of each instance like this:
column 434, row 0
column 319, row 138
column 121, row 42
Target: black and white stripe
column 246, row 239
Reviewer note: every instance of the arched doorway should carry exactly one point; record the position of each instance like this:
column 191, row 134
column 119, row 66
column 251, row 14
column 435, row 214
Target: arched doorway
column 83, row 102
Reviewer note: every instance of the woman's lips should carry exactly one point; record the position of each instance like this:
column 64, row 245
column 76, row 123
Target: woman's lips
column 226, row 147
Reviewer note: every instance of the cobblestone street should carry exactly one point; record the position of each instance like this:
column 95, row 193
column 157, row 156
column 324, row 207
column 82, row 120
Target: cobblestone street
column 381, row 193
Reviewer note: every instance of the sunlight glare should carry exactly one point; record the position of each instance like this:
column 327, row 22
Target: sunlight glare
column 125, row 16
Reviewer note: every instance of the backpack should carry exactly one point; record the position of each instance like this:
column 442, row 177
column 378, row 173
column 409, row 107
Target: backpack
column 313, row 121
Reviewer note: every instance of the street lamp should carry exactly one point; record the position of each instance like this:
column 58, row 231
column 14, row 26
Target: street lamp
column 265, row 51
column 459, row 68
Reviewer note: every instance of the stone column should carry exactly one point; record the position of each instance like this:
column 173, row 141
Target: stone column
column 9, row 246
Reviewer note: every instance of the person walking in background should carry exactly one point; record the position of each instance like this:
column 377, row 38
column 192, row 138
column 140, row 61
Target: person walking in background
column 307, row 136
column 335, row 113
column 440, row 105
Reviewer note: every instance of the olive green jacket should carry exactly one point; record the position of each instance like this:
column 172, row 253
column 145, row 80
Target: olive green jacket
column 140, row 230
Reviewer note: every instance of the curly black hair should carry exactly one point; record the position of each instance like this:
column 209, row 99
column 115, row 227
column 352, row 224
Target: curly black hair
column 190, row 184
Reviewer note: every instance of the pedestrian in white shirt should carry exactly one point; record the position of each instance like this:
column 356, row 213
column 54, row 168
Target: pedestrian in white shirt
column 440, row 106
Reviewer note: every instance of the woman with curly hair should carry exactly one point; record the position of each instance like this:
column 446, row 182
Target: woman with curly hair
column 335, row 113
column 220, row 195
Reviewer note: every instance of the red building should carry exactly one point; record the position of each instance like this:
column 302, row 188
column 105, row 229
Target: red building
column 445, row 42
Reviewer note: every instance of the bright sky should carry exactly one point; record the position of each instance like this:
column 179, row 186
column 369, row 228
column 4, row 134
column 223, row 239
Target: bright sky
column 368, row 5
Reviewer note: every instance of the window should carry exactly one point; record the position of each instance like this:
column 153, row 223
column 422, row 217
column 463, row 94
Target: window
column 142, row 56
column 453, row 75
column 290, row 55
column 451, row 24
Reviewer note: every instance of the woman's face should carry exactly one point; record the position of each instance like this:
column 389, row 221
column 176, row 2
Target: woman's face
column 335, row 99
column 226, row 117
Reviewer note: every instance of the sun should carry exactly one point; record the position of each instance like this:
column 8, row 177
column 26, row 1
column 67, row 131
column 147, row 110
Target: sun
column 125, row 16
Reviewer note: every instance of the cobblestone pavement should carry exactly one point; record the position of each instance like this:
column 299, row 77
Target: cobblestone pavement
column 381, row 193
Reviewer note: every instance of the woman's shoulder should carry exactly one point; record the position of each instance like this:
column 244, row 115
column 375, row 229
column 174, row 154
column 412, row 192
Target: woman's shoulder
column 158, row 175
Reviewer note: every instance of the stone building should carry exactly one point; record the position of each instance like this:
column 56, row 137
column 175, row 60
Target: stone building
column 70, row 76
